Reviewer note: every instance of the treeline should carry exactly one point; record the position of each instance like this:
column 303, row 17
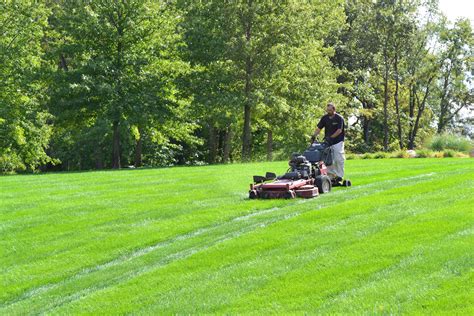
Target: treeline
column 106, row 84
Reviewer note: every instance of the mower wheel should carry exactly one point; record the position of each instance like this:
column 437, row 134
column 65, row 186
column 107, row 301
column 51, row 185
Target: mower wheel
column 323, row 183
column 290, row 194
column 253, row 194
column 346, row 183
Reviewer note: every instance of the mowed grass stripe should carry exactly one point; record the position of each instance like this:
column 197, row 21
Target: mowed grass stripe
column 287, row 289
column 61, row 247
column 351, row 266
column 262, row 215
column 277, row 214
column 410, row 282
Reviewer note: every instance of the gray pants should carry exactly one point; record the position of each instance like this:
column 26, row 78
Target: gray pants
column 338, row 157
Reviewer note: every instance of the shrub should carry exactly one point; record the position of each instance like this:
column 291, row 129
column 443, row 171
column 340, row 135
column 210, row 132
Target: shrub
column 351, row 156
column 450, row 141
column 424, row 153
column 367, row 156
column 449, row 153
column 461, row 155
column 11, row 162
column 381, row 155
column 400, row 154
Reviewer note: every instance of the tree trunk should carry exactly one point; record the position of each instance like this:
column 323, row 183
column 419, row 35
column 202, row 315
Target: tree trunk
column 63, row 63
column 269, row 145
column 421, row 107
column 116, row 164
column 227, row 145
column 366, row 123
column 99, row 157
column 246, row 137
column 116, row 146
column 442, row 121
column 411, row 115
column 139, row 149
column 385, row 108
column 366, row 129
column 212, row 144
column 397, row 105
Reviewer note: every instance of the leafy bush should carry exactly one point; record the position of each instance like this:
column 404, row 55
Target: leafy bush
column 461, row 155
column 399, row 154
column 420, row 153
column 11, row 162
column 351, row 156
column 381, row 155
column 424, row 153
column 450, row 141
column 449, row 153
column 367, row 156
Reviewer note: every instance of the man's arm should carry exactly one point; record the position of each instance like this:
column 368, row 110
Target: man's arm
column 336, row 133
column 316, row 132
column 319, row 127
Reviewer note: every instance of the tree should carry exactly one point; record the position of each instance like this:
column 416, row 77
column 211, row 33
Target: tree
column 421, row 72
column 242, row 50
column 455, row 84
column 385, row 54
column 119, row 62
column 24, row 123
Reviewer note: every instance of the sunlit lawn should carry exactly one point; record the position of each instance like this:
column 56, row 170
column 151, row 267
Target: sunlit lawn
column 187, row 240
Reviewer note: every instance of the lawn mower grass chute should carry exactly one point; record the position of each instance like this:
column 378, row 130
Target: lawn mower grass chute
column 307, row 176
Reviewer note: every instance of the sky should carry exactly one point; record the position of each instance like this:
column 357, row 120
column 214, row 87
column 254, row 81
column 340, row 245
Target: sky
column 454, row 9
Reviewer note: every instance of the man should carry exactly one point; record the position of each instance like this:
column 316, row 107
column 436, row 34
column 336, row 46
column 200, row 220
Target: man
column 333, row 125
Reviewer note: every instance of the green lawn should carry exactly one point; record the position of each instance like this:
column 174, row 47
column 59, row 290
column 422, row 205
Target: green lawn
column 187, row 240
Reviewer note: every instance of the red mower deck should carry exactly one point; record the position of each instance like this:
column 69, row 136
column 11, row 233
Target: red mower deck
column 284, row 188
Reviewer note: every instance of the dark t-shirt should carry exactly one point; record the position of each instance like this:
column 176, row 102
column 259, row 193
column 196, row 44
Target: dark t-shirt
column 330, row 126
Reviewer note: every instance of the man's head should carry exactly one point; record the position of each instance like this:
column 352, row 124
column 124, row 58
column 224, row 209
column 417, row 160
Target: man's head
column 331, row 109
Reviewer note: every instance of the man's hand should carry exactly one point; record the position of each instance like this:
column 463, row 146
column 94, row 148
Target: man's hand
column 336, row 133
column 316, row 132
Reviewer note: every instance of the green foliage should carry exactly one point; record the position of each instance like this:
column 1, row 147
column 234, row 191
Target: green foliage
column 266, row 59
column 424, row 153
column 454, row 89
column 10, row 162
column 119, row 67
column 367, row 156
column 103, row 84
column 351, row 156
column 381, row 154
column 24, row 123
column 449, row 153
column 186, row 240
column 450, row 141
column 400, row 154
